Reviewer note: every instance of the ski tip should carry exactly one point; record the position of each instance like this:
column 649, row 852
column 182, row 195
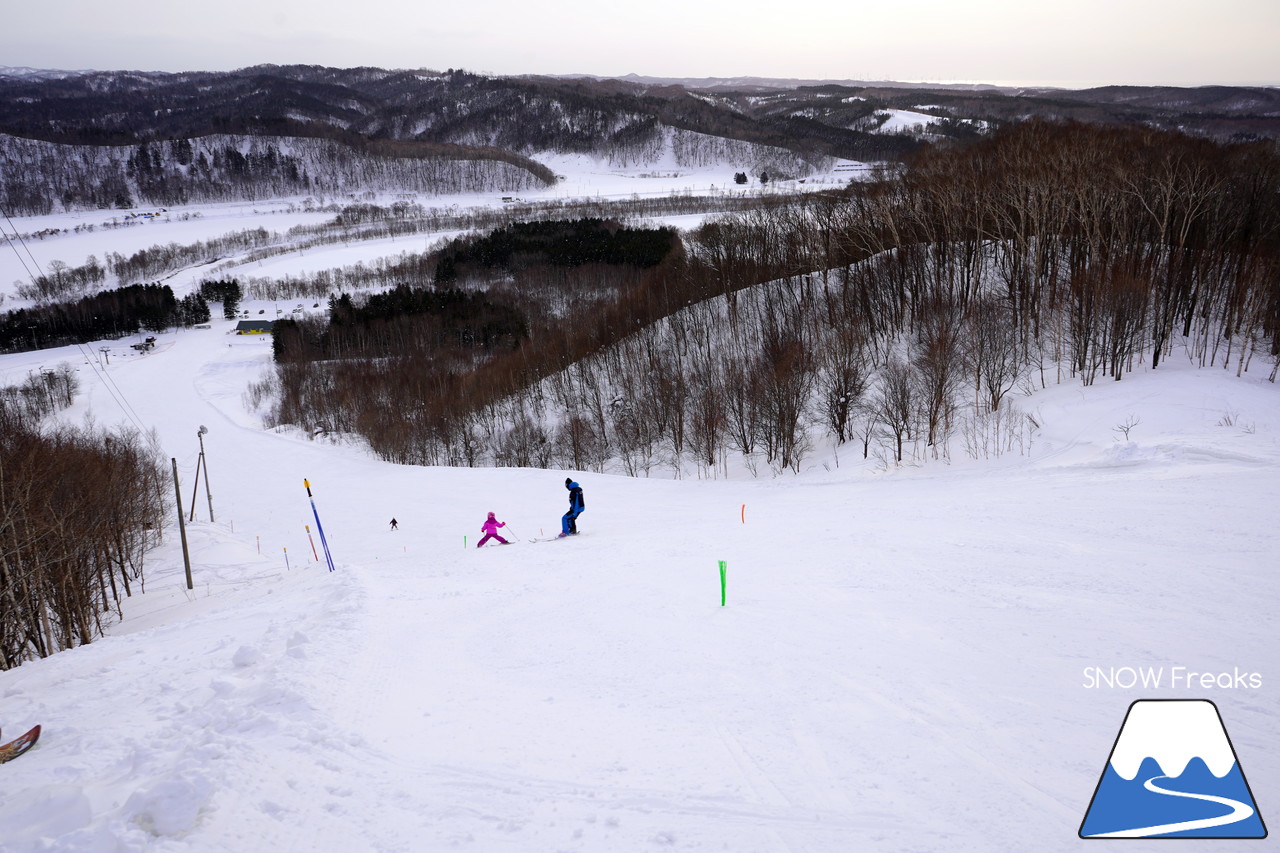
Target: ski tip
column 18, row 746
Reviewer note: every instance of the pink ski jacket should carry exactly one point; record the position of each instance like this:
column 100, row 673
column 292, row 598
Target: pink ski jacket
column 491, row 526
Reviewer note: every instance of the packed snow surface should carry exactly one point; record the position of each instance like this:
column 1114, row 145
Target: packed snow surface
column 900, row 121
column 900, row 663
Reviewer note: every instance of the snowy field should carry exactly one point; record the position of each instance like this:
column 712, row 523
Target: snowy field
column 901, row 663
column 901, row 121
column 54, row 237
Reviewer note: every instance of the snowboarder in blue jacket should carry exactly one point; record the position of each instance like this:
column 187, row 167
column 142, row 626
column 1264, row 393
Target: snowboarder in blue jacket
column 569, row 523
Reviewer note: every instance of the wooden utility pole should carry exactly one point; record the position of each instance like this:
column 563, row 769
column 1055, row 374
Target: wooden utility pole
column 182, row 524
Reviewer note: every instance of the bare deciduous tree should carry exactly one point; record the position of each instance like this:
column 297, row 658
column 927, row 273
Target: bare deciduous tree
column 896, row 403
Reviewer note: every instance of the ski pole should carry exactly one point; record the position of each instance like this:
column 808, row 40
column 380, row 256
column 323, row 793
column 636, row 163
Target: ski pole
column 513, row 533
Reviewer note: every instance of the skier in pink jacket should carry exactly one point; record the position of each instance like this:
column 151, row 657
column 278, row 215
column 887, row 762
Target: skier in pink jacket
column 490, row 530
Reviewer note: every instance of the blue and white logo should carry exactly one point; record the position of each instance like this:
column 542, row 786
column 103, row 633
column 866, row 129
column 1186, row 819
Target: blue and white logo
column 1173, row 773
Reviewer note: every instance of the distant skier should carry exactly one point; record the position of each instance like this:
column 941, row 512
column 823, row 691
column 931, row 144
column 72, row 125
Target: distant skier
column 569, row 523
column 490, row 530
column 395, row 525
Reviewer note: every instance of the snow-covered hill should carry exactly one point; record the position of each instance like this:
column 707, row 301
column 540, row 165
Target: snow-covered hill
column 900, row 664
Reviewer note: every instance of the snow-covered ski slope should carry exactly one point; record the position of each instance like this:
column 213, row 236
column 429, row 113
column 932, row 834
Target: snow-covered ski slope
column 901, row 664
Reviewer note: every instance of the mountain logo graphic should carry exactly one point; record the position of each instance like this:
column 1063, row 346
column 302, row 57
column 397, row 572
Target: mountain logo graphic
column 1173, row 773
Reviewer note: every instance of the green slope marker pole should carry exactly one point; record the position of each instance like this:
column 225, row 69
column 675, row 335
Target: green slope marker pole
column 723, row 571
column 464, row 541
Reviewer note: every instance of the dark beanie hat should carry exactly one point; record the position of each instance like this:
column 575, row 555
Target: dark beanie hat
column 568, row 480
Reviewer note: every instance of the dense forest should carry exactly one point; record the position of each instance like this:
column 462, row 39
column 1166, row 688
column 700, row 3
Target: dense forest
column 902, row 312
column 39, row 177
column 555, row 271
column 579, row 114
column 454, row 107
column 105, row 315
column 433, row 321
column 559, row 244
column 79, row 509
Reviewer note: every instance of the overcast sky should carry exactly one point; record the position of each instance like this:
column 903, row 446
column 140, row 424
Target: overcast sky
column 1034, row 42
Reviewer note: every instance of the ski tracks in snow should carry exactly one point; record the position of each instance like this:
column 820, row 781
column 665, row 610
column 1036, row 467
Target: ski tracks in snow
column 287, row 787
column 223, row 744
column 413, row 664
column 802, row 798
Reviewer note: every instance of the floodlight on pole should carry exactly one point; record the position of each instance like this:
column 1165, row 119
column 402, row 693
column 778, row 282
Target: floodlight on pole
column 200, row 434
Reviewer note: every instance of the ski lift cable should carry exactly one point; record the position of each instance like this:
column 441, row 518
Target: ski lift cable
column 107, row 381
column 14, row 241
column 18, row 236
column 114, row 390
